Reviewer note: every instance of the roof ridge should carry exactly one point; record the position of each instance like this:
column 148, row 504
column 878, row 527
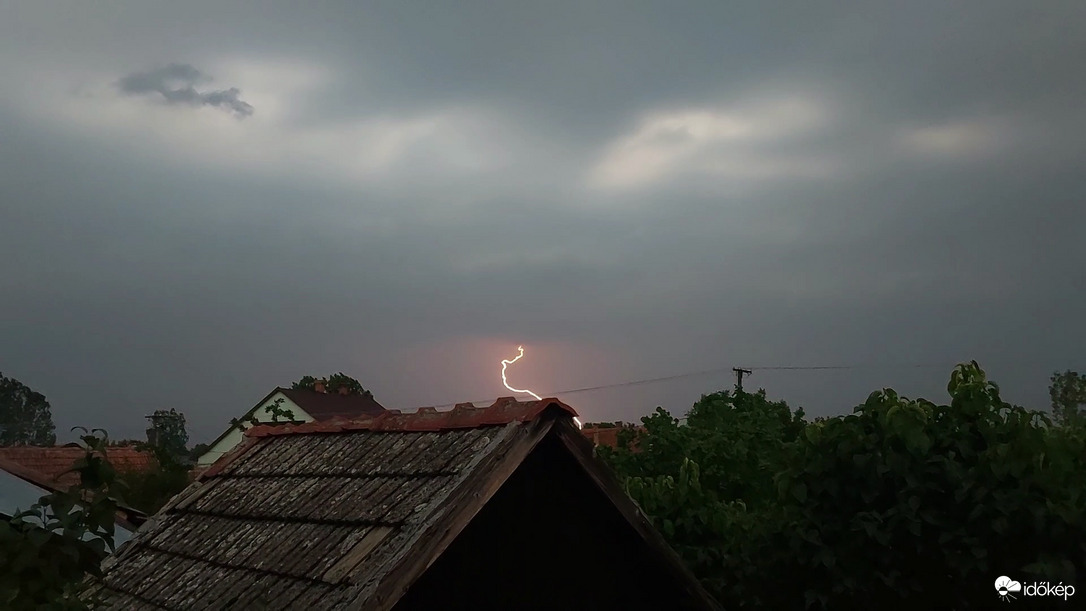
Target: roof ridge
column 504, row 410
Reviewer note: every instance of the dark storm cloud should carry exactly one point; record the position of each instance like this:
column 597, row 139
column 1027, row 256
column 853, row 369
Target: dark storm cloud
column 176, row 84
column 947, row 227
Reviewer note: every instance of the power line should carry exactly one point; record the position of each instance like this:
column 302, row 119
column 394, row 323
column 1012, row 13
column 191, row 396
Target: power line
column 718, row 370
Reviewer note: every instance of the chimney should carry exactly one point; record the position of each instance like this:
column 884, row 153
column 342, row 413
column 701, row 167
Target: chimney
column 152, row 436
column 319, row 386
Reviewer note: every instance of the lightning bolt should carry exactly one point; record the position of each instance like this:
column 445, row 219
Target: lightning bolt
column 506, row 363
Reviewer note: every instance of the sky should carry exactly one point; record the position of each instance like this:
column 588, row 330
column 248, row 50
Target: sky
column 202, row 200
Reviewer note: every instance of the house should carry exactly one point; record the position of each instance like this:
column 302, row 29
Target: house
column 601, row 436
column 500, row 507
column 320, row 404
column 55, row 463
column 20, row 488
column 606, row 433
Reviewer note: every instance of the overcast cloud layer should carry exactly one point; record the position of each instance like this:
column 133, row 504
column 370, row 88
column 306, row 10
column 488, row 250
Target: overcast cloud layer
column 200, row 201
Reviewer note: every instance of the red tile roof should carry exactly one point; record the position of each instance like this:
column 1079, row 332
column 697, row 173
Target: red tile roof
column 464, row 416
column 602, row 437
column 54, row 462
column 606, row 436
column 326, row 406
column 127, row 517
column 27, row 475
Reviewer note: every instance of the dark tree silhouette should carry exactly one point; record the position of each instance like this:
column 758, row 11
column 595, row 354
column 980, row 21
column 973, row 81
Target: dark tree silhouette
column 25, row 418
column 1068, row 393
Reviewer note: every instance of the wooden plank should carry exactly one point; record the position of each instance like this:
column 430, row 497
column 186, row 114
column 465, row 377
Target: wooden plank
column 357, row 554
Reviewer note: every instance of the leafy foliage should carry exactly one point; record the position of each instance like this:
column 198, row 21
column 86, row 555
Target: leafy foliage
column 737, row 439
column 51, row 547
column 197, row 451
column 1068, row 393
column 25, row 418
column 949, row 495
column 278, row 413
column 168, row 436
column 901, row 503
column 332, row 383
column 149, row 490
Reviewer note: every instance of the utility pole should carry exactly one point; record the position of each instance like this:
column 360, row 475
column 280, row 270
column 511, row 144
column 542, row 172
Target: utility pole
column 739, row 372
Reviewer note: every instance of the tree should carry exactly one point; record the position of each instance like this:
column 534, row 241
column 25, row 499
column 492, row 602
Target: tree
column 149, row 490
column 25, row 418
column 903, row 503
column 708, row 484
column 737, row 438
column 167, row 441
column 332, row 383
column 51, row 548
column 168, row 435
column 1068, row 393
column 197, row 451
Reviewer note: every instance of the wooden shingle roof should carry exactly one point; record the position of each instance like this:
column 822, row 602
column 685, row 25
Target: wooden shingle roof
column 339, row 514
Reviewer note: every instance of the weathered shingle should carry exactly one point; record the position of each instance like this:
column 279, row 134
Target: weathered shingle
column 302, row 508
column 349, row 513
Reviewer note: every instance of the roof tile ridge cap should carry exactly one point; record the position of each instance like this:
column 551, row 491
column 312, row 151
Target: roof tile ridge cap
column 436, row 508
column 461, row 408
column 540, row 406
column 378, row 422
column 268, row 429
column 257, row 430
column 504, row 410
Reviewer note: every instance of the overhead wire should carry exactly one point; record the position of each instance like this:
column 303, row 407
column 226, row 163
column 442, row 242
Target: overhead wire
column 711, row 371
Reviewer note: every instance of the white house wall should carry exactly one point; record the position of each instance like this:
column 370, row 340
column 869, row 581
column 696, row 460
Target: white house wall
column 234, row 437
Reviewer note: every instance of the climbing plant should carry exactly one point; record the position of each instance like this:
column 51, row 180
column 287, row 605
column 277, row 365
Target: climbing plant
column 275, row 409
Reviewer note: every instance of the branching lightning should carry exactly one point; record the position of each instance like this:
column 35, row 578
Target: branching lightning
column 506, row 363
